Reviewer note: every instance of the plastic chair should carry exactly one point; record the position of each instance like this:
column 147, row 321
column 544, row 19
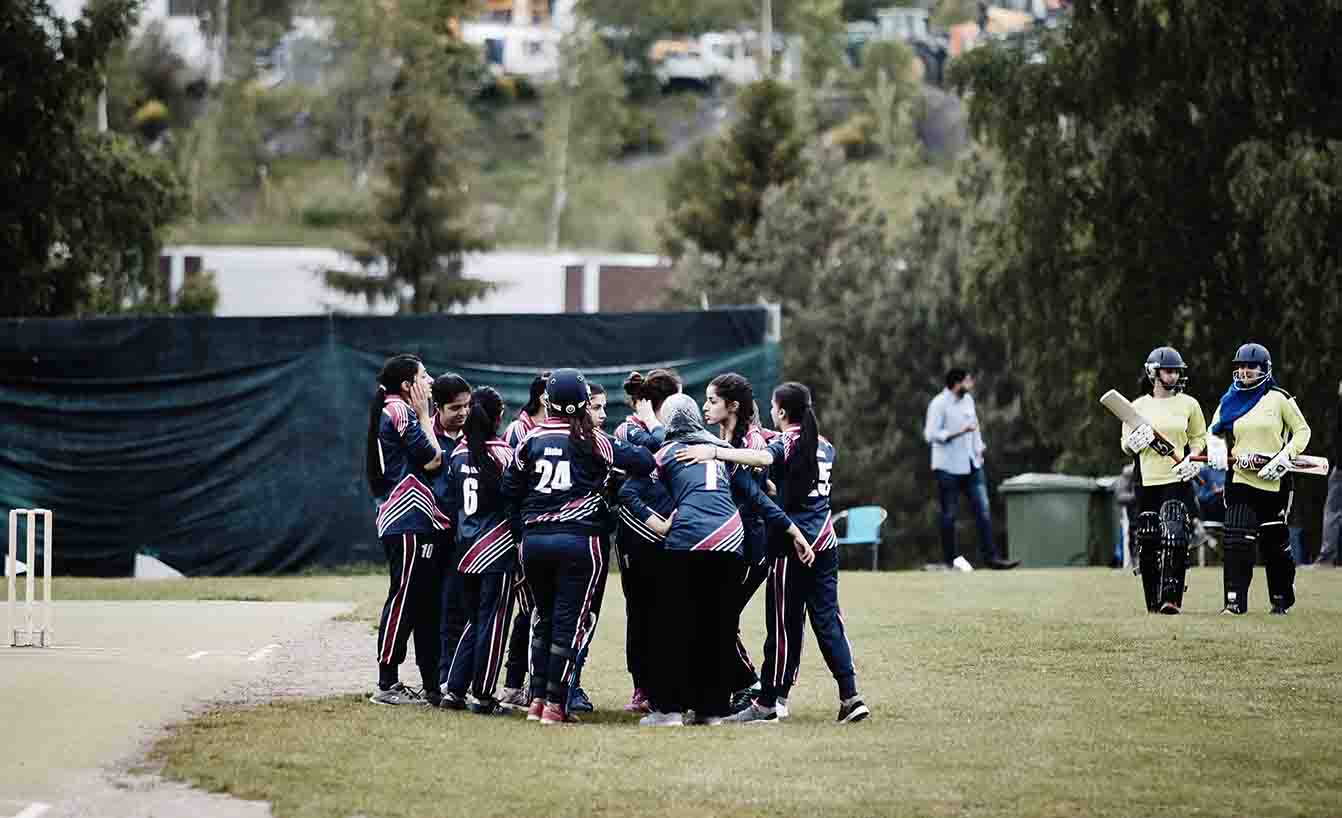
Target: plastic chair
column 864, row 528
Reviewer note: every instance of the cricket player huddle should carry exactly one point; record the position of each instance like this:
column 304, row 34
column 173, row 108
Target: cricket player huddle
column 1257, row 434
column 474, row 524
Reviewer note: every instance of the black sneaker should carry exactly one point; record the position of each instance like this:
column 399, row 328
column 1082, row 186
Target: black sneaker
column 432, row 697
column 741, row 699
column 854, row 711
column 1233, row 610
column 453, row 701
column 1169, row 609
column 578, row 701
column 1278, row 610
column 484, row 707
column 997, row 564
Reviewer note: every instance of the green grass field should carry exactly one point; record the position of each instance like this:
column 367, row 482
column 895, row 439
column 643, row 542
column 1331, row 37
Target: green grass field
column 1029, row 693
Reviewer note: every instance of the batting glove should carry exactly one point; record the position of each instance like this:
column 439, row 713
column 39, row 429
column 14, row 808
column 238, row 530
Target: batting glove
column 1218, row 456
column 1140, row 438
column 1277, row 467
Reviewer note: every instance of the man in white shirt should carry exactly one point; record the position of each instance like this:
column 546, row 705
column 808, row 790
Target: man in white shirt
column 952, row 429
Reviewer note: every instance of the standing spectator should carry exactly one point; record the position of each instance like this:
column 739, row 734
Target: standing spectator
column 952, row 428
column 1332, row 509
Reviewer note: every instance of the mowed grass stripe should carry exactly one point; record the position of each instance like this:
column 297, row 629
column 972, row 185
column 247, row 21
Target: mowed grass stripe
column 1031, row 693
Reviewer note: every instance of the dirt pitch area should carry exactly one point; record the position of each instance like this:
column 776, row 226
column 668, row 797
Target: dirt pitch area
column 79, row 715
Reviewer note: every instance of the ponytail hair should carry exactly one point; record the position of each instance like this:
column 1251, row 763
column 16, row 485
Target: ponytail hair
column 731, row 386
column 396, row 370
column 801, row 472
column 581, row 431
column 537, row 389
column 656, row 386
column 482, row 425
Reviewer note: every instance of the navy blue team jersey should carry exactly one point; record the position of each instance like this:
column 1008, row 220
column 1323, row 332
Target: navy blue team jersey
column 641, row 497
column 519, row 429
column 485, row 537
column 560, row 485
column 635, row 432
column 403, row 448
column 706, row 497
column 814, row 518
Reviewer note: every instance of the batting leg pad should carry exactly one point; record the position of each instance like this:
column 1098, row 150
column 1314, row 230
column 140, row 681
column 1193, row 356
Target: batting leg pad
column 1175, row 533
column 1274, row 544
column 1240, row 546
column 1146, row 537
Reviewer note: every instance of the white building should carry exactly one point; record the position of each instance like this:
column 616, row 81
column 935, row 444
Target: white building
column 269, row 281
column 178, row 20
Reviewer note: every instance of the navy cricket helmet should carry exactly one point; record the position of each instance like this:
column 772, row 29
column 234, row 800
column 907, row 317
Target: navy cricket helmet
column 566, row 392
column 1252, row 354
column 1166, row 358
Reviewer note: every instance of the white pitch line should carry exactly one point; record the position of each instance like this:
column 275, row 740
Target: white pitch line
column 193, row 657
column 262, row 653
column 33, row 810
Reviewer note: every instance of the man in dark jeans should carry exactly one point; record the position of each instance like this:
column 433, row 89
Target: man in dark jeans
column 952, row 429
column 1332, row 509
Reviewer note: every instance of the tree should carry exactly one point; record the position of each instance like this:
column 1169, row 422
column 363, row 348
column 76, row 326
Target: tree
column 422, row 224
column 1160, row 193
column 81, row 221
column 871, row 323
column 584, row 114
column 718, row 189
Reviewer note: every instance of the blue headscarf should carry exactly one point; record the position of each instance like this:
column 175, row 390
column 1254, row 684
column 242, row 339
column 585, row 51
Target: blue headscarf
column 1236, row 403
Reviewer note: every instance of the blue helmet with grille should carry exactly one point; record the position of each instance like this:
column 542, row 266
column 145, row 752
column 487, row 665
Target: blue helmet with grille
column 566, row 393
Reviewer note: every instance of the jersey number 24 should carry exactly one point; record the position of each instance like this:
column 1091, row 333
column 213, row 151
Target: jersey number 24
column 554, row 476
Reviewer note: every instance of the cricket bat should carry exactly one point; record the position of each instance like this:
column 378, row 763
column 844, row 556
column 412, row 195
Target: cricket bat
column 1121, row 408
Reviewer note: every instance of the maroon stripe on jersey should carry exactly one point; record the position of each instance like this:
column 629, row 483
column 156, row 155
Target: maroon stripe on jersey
column 398, row 410
column 724, row 533
column 826, row 539
column 492, row 543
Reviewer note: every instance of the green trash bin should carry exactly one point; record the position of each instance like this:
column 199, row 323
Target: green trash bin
column 1049, row 518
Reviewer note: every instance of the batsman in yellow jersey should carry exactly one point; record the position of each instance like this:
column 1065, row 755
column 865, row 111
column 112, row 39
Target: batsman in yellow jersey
column 1257, row 417
column 1163, row 448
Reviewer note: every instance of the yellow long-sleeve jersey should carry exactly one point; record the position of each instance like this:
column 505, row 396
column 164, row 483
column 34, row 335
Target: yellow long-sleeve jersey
column 1179, row 420
column 1274, row 423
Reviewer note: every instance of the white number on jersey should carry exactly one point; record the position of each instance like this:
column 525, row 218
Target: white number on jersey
column 822, row 482
column 470, row 499
column 554, row 476
column 712, row 470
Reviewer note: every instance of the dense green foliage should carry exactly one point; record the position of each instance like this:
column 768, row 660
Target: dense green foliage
column 1171, row 174
column 717, row 193
column 82, row 213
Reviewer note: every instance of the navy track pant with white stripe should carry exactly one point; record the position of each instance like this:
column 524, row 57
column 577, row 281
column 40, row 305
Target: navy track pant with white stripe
column 563, row 571
column 793, row 590
column 414, row 599
column 488, row 601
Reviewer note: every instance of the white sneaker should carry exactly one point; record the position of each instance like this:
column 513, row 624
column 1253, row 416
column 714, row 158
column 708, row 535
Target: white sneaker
column 655, row 719
column 962, row 564
column 781, row 709
column 755, row 714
